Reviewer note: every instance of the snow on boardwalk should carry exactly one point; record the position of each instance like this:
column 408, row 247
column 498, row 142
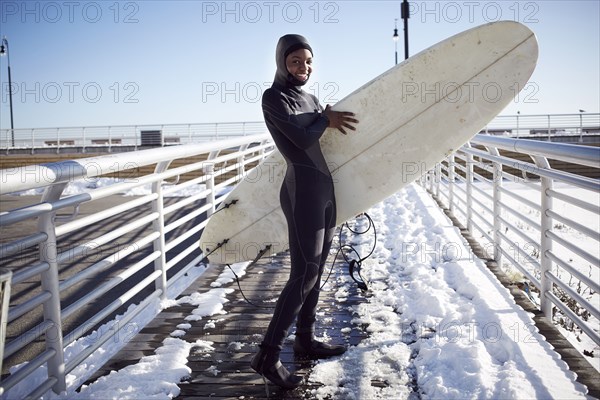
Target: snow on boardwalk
column 439, row 325
column 439, row 317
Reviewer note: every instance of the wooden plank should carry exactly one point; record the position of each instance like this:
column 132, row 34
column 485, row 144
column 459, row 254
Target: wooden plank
column 242, row 325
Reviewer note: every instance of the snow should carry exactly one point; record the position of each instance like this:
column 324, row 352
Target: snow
column 439, row 323
column 439, row 320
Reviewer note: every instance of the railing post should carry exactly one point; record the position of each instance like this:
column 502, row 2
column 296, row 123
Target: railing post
column 32, row 141
column 83, row 145
column 241, row 170
column 158, row 225
column 438, row 178
column 5, row 282
column 451, row 183
column 545, row 241
column 431, row 176
column 497, row 206
column 469, row 178
column 209, row 169
column 49, row 282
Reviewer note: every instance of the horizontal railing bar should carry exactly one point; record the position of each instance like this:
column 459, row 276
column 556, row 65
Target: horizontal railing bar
column 181, row 238
column 106, row 238
column 576, row 250
column 482, row 179
column 573, row 200
column 109, row 261
column 530, row 260
column 186, row 218
column 592, row 234
column 26, row 370
column 23, row 308
column 520, row 198
column 108, row 310
column 520, row 180
column 102, row 288
column 101, row 215
column 8, row 249
column 42, row 389
column 168, row 190
column 27, row 337
column 595, row 286
column 482, row 192
column 519, row 232
column 227, row 182
column 522, row 217
column 187, row 201
column 584, row 155
column 574, row 295
column 181, row 255
column 577, row 180
column 482, row 205
column 574, row 317
column 30, row 271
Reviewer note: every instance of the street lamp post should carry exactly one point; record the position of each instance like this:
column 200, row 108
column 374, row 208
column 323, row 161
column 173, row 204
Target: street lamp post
column 395, row 38
column 581, row 125
column 405, row 14
column 3, row 51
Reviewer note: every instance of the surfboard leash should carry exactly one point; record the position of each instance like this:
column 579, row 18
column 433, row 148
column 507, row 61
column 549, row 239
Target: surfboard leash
column 237, row 279
column 354, row 266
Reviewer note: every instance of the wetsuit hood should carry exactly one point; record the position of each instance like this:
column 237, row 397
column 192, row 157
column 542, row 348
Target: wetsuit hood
column 286, row 45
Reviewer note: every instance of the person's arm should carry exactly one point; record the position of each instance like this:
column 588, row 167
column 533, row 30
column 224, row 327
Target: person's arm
column 284, row 119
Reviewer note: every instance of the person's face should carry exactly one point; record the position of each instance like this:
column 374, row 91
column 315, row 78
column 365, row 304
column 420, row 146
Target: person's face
column 299, row 64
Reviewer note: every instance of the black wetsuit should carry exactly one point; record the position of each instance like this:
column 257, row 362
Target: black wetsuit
column 307, row 197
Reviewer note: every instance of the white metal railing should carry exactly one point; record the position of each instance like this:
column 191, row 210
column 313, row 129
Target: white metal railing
column 487, row 185
column 89, row 137
column 217, row 165
column 545, row 125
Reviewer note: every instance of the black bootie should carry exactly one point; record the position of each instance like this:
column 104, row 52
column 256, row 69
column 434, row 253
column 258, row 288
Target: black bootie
column 306, row 344
column 267, row 363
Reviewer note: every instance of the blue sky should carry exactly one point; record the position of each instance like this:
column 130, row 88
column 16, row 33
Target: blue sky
column 81, row 63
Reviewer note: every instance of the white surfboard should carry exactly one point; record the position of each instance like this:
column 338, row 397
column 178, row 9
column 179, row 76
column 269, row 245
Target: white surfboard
column 411, row 117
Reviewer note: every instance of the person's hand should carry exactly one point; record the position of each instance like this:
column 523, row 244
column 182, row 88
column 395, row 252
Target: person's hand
column 340, row 119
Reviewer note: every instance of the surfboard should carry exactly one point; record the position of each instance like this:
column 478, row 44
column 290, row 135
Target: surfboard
column 411, row 117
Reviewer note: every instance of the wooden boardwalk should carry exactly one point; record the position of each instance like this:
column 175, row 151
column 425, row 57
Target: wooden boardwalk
column 237, row 333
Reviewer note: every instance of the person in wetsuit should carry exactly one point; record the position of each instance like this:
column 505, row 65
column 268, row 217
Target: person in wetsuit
column 296, row 121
